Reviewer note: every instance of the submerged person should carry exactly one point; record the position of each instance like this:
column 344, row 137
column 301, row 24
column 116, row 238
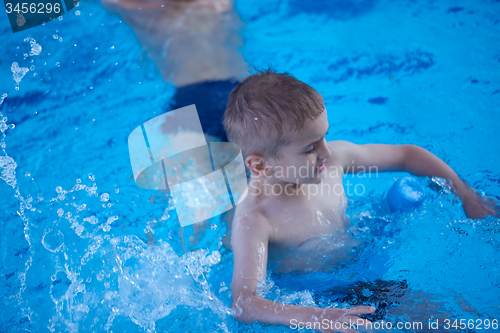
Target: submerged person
column 194, row 44
column 294, row 216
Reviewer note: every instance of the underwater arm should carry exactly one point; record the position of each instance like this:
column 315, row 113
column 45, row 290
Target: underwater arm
column 250, row 242
column 416, row 160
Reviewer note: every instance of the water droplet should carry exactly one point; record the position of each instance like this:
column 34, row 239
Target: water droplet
column 53, row 240
column 92, row 219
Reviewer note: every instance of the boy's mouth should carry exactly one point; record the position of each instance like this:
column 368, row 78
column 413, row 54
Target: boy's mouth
column 320, row 167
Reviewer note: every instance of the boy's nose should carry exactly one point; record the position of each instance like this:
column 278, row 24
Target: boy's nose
column 324, row 152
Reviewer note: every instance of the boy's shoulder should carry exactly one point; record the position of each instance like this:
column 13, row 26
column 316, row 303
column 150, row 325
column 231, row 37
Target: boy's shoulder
column 339, row 145
column 339, row 151
column 247, row 214
column 250, row 222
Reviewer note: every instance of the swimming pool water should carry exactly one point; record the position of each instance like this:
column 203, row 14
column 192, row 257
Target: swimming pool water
column 75, row 229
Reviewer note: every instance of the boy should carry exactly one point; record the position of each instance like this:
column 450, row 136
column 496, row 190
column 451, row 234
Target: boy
column 296, row 204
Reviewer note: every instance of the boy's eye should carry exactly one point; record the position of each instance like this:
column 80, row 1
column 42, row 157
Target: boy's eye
column 309, row 151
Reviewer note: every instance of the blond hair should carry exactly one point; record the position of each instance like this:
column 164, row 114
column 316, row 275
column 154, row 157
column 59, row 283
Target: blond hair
column 266, row 109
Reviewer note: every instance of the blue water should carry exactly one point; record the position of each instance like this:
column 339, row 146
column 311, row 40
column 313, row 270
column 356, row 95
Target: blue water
column 75, row 228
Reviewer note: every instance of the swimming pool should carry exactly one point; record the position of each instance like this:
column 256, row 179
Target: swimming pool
column 390, row 71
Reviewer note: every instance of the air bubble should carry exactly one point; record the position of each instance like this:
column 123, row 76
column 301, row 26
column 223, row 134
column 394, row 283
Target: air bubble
column 12, row 126
column 104, row 197
column 27, row 174
column 53, row 240
column 91, row 176
column 55, row 36
column 77, row 13
column 58, row 64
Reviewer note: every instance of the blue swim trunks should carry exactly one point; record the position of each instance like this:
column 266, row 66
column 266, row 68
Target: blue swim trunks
column 210, row 98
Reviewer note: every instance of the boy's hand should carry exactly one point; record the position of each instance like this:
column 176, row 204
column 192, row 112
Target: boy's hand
column 345, row 321
column 478, row 207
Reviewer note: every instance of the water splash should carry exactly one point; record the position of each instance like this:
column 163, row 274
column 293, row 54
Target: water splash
column 9, row 176
column 19, row 72
column 87, row 275
column 35, row 47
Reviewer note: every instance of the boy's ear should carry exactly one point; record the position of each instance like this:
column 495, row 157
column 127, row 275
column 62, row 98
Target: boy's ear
column 258, row 166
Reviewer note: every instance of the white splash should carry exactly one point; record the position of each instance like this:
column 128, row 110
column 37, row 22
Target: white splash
column 19, row 72
column 35, row 47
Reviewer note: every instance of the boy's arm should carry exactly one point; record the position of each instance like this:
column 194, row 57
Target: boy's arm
column 413, row 159
column 250, row 242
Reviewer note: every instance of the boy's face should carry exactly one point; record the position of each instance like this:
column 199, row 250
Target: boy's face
column 303, row 160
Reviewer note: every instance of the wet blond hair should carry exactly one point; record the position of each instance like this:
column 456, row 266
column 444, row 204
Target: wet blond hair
column 266, row 109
